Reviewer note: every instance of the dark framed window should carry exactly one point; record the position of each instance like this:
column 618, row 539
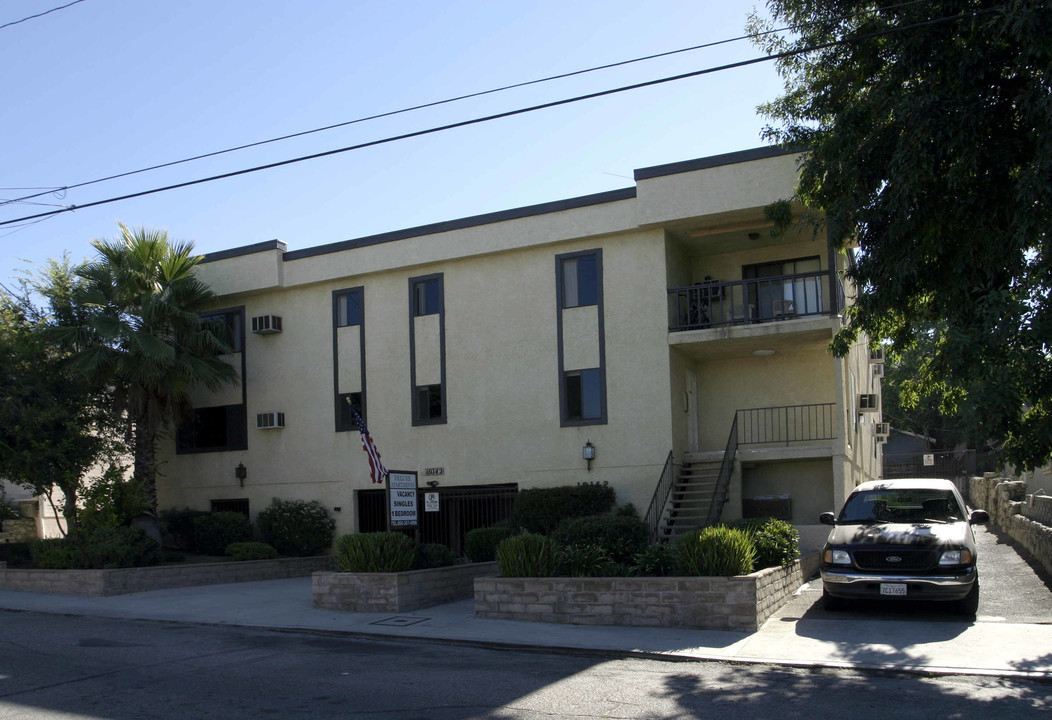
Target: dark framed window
column 427, row 296
column 347, row 307
column 239, row 505
column 580, row 280
column 229, row 326
column 344, row 418
column 428, row 406
column 213, row 429
column 584, row 395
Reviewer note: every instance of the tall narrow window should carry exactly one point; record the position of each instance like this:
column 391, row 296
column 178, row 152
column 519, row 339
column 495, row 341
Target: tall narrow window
column 427, row 349
column 348, row 308
column 428, row 403
column 344, row 417
column 580, row 280
column 427, row 297
column 348, row 355
column 583, row 395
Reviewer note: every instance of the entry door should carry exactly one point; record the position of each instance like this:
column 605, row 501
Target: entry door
column 693, row 444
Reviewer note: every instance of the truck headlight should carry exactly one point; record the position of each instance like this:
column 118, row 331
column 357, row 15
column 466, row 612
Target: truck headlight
column 956, row 557
column 836, row 557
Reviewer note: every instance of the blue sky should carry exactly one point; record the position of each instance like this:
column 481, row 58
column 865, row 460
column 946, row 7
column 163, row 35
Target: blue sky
column 108, row 86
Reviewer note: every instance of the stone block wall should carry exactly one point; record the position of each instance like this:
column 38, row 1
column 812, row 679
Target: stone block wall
column 18, row 531
column 397, row 592
column 129, row 580
column 712, row 603
column 1012, row 511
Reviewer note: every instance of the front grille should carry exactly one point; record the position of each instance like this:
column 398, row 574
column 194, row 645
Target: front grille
column 909, row 560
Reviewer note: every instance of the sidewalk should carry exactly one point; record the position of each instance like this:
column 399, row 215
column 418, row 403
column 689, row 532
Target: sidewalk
column 792, row 637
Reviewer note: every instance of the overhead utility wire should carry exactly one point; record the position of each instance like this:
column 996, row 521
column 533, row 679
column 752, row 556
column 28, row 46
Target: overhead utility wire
column 46, row 12
column 497, row 116
column 423, row 106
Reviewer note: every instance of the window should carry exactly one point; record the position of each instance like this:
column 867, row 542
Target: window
column 344, row 418
column 348, row 308
column 227, row 325
column 213, row 429
column 583, row 395
column 427, row 400
column 238, row 506
column 580, row 280
column 427, row 296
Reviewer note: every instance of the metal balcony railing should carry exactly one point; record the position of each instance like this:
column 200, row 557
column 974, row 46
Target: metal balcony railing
column 787, row 424
column 744, row 302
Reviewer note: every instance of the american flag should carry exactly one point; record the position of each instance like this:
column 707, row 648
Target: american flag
column 376, row 465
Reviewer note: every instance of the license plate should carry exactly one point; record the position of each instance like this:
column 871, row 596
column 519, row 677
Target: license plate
column 895, row 589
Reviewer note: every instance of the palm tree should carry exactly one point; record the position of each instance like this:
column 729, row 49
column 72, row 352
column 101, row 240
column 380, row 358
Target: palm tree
column 145, row 337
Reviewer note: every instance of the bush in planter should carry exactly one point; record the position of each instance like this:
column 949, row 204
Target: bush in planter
column 214, row 531
column 297, row 527
column 375, row 552
column 540, row 510
column 481, row 543
column 528, row 555
column 103, row 548
column 433, row 555
column 251, row 551
column 715, row 551
column 178, row 526
column 587, row 561
column 655, row 561
column 621, row 537
column 777, row 542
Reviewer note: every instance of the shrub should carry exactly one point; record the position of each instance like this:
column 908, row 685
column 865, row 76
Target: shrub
column 433, row 555
column 586, row 561
column 102, row 548
column 375, row 552
column 56, row 554
column 654, row 561
column 15, row 554
column 528, row 555
column 178, row 525
column 777, row 542
column 251, row 551
column 715, row 551
column 540, row 510
column 481, row 543
column 214, row 531
column 621, row 537
column 297, row 527
column 111, row 501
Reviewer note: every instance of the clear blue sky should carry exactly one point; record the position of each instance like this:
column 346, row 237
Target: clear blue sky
column 108, row 86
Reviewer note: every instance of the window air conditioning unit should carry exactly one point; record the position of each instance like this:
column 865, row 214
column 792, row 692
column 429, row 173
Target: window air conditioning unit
column 867, row 402
column 876, row 354
column 878, row 370
column 270, row 420
column 266, row 324
column 882, row 430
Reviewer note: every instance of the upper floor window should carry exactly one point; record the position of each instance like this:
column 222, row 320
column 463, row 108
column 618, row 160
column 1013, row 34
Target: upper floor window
column 348, row 308
column 344, row 417
column 580, row 280
column 584, row 395
column 227, row 324
column 427, row 296
column 427, row 402
column 213, row 429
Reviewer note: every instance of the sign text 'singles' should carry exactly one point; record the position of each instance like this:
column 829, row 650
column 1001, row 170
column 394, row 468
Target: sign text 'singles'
column 401, row 488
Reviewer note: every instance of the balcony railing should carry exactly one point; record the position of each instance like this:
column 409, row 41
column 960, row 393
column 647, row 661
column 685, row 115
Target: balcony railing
column 744, row 302
column 787, row 424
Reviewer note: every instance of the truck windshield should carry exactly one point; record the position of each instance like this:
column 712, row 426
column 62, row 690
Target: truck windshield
column 902, row 506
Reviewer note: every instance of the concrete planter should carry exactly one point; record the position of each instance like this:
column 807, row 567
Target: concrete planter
column 129, row 580
column 397, row 592
column 711, row 603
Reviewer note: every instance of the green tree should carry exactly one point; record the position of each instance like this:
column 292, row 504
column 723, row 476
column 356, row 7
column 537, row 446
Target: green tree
column 928, row 136
column 55, row 425
column 145, row 338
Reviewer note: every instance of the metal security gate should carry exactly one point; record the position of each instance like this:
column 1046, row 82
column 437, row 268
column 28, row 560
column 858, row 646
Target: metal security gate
column 460, row 509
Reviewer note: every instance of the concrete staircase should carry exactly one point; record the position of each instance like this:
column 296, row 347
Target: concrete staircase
column 690, row 499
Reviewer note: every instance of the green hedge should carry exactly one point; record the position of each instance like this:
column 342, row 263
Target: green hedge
column 433, row 555
column 777, row 542
column 375, row 552
column 621, row 537
column 481, row 544
column 178, row 525
column 717, row 551
column 297, row 527
column 528, row 555
column 214, row 531
column 540, row 510
column 103, row 548
column 242, row 551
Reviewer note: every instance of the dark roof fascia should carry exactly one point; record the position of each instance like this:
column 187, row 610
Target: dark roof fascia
column 761, row 153
column 245, row 250
column 474, row 221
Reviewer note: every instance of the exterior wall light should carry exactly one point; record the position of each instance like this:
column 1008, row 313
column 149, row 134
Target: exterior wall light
column 241, row 472
column 588, row 453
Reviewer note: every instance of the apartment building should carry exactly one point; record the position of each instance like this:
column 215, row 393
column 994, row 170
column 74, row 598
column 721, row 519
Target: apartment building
column 664, row 330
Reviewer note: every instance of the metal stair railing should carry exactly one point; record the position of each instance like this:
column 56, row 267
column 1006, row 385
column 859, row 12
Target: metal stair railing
column 661, row 493
column 723, row 483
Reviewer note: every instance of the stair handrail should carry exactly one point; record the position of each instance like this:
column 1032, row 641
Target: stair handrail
column 661, row 493
column 723, row 482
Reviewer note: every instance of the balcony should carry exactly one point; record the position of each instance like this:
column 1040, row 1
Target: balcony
column 713, row 304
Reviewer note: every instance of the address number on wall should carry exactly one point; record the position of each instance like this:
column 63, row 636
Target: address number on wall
column 434, row 471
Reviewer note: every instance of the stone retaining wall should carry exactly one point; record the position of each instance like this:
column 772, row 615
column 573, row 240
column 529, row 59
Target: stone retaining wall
column 711, row 603
column 1008, row 504
column 397, row 592
column 129, row 580
column 18, row 531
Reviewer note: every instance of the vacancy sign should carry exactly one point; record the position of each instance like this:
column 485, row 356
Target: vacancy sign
column 401, row 491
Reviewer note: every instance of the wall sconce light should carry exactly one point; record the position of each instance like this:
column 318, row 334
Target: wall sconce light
column 432, row 483
column 588, row 453
column 241, row 472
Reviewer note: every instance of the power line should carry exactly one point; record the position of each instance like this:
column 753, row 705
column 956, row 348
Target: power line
column 46, row 12
column 424, row 106
column 498, row 116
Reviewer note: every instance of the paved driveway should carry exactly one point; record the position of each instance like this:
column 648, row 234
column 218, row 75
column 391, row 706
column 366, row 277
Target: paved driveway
column 1011, row 591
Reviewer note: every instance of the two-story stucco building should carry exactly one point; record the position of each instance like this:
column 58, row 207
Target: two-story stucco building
column 665, row 326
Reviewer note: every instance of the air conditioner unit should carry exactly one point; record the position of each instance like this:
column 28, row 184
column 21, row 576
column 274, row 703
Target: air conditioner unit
column 266, row 324
column 876, row 354
column 882, row 430
column 878, row 370
column 270, row 420
column 868, row 402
